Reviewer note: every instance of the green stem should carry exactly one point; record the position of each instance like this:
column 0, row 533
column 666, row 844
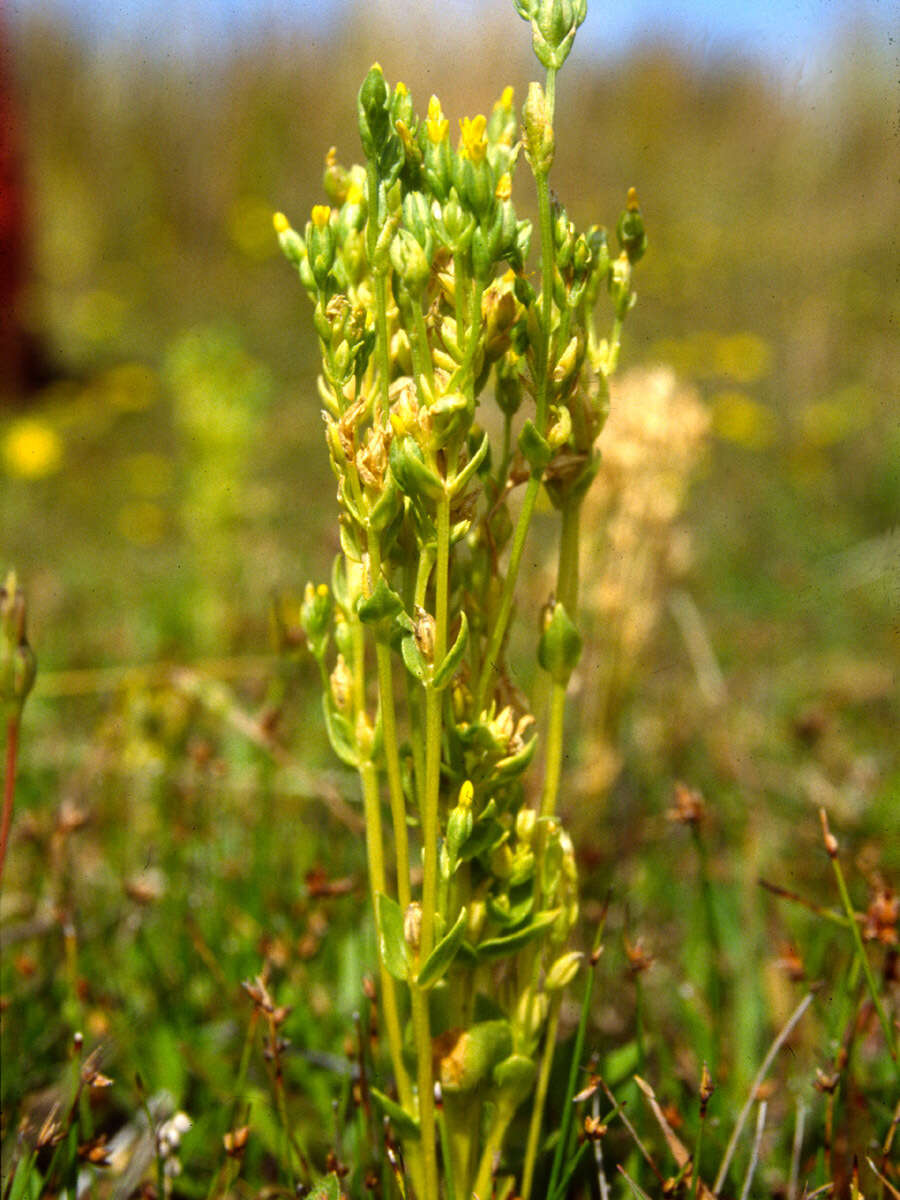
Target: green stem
column 498, row 633
column 567, row 576
column 864, row 959
column 425, row 1081
column 537, row 1112
column 712, row 929
column 375, row 855
column 391, row 745
column 433, row 731
column 492, row 1146
column 382, row 347
column 548, row 259
column 9, row 785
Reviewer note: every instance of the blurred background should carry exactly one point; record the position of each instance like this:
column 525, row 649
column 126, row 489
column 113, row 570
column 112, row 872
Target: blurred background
column 164, row 488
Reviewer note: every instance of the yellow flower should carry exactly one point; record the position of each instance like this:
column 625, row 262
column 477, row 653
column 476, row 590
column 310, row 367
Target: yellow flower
column 473, row 144
column 31, row 449
column 436, row 124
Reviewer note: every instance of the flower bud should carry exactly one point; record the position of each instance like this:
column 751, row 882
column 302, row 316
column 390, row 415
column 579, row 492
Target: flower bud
column 563, row 971
column 620, row 285
column 373, row 112
column 560, row 646
column 18, row 665
column 469, row 1054
column 341, row 683
column 553, row 27
column 320, row 244
column 538, row 129
column 630, row 229
column 335, row 179
column 410, row 262
column 315, row 617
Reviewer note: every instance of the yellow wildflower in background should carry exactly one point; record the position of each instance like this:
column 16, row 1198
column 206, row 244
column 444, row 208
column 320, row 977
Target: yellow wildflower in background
column 31, row 449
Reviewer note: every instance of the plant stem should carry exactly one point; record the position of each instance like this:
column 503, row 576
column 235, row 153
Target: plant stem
column 375, row 854
column 382, row 347
column 567, row 576
column 9, row 785
column 391, row 747
column 860, row 948
column 537, row 1112
column 425, row 1081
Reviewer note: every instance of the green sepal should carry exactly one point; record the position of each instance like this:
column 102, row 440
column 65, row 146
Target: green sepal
column 471, row 467
column 340, row 585
column 453, row 657
column 386, row 507
column 340, row 733
column 535, row 447
column 476, row 1052
column 515, row 913
column 413, row 476
column 514, row 764
column 509, row 943
column 487, row 832
column 515, row 1076
column 451, row 415
column 391, row 941
column 383, row 605
column 404, row 1124
column 438, row 961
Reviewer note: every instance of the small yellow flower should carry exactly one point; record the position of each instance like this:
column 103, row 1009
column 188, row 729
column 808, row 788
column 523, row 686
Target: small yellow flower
column 321, row 215
column 31, row 449
column 473, row 144
column 436, row 124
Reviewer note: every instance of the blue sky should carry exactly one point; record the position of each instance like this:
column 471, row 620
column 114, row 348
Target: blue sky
column 789, row 35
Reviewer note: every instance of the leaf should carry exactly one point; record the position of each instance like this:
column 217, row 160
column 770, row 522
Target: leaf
column 383, row 604
column 340, row 733
column 391, row 941
column 500, row 947
column 406, row 1125
column 453, row 657
column 438, row 961
column 471, row 467
column 328, row 1188
column 535, row 448
column 416, row 662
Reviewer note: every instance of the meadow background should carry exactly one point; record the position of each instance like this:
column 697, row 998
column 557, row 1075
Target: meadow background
column 165, row 495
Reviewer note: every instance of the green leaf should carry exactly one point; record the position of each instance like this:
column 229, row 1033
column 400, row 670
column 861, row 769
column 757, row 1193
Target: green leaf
column 340, row 733
column 514, row 764
column 535, row 448
column 452, row 658
column 438, row 961
column 22, row 1177
column 391, row 942
column 383, row 604
column 328, row 1188
column 416, row 663
column 510, row 943
column 403, row 1123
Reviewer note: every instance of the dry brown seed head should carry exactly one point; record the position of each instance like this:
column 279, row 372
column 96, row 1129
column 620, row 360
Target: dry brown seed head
column 707, row 1087
column 826, row 1083
column 235, row 1141
column 689, row 808
column 831, row 842
column 639, row 959
column 594, row 1128
column 880, row 922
